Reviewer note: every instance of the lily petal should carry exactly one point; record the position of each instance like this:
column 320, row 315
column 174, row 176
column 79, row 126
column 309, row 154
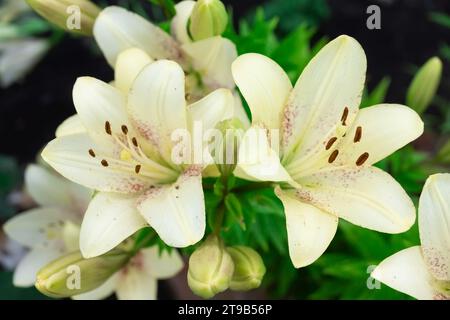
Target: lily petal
column 31, row 263
column 37, row 227
column 157, row 105
column 258, row 160
column 117, row 29
column 71, row 125
column 129, row 63
column 366, row 196
column 328, row 90
column 177, row 211
column 101, row 292
column 434, row 225
column 265, row 87
column 110, row 219
column 161, row 266
column 136, row 284
column 48, row 189
column 69, row 155
column 97, row 102
column 179, row 25
column 406, row 272
column 212, row 58
column 209, row 111
column 310, row 230
column 379, row 130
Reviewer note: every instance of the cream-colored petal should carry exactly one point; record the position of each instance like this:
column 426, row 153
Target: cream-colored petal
column 157, row 105
column 129, row 63
column 209, row 111
column 37, row 227
column 379, row 130
column 265, row 87
column 136, row 284
column 239, row 111
column 257, row 159
column 101, row 292
column 177, row 211
column 310, row 230
column 110, row 219
column 406, row 272
column 117, row 29
column 331, row 82
column 212, row 58
column 31, row 263
column 69, row 155
column 71, row 125
column 97, row 102
column 48, row 189
column 434, row 225
column 164, row 265
column 365, row 196
column 179, row 25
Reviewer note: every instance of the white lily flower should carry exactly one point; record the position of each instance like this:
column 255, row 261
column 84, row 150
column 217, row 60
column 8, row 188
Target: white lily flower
column 138, row 280
column 327, row 146
column 50, row 230
column 126, row 154
column 117, row 30
column 423, row 272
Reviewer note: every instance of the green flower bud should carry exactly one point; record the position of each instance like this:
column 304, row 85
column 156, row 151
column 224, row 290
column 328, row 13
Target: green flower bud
column 225, row 153
column 210, row 268
column 249, row 268
column 423, row 87
column 209, row 18
column 76, row 16
column 72, row 274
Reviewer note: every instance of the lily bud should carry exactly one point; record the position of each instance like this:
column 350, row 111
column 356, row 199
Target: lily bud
column 226, row 154
column 209, row 18
column 210, row 268
column 424, row 85
column 249, row 268
column 76, row 16
column 72, row 274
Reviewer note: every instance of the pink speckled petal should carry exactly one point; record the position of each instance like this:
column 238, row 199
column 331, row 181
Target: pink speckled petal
column 366, row 196
column 434, row 225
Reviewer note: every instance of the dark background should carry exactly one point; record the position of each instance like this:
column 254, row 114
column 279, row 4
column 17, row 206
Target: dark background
column 30, row 111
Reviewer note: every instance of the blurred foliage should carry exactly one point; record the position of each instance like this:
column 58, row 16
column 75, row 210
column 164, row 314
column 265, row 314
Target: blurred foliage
column 9, row 179
column 9, row 292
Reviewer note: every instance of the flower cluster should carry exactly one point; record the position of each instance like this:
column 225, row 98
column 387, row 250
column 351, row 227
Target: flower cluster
column 309, row 141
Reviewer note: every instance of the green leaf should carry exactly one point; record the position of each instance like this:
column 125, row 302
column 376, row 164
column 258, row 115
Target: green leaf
column 234, row 207
column 378, row 94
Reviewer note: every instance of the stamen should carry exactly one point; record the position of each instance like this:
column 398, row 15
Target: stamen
column 104, row 163
column 362, row 158
column 333, row 156
column 92, row 153
column 124, row 129
column 108, row 127
column 330, row 143
column 134, row 141
column 344, row 116
column 137, row 168
column 358, row 134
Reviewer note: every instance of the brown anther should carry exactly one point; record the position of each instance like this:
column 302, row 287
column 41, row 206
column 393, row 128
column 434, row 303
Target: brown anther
column 362, row 158
column 358, row 134
column 333, row 156
column 108, row 127
column 344, row 116
column 104, row 163
column 92, row 153
column 124, row 129
column 137, row 168
column 134, row 141
column 330, row 143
